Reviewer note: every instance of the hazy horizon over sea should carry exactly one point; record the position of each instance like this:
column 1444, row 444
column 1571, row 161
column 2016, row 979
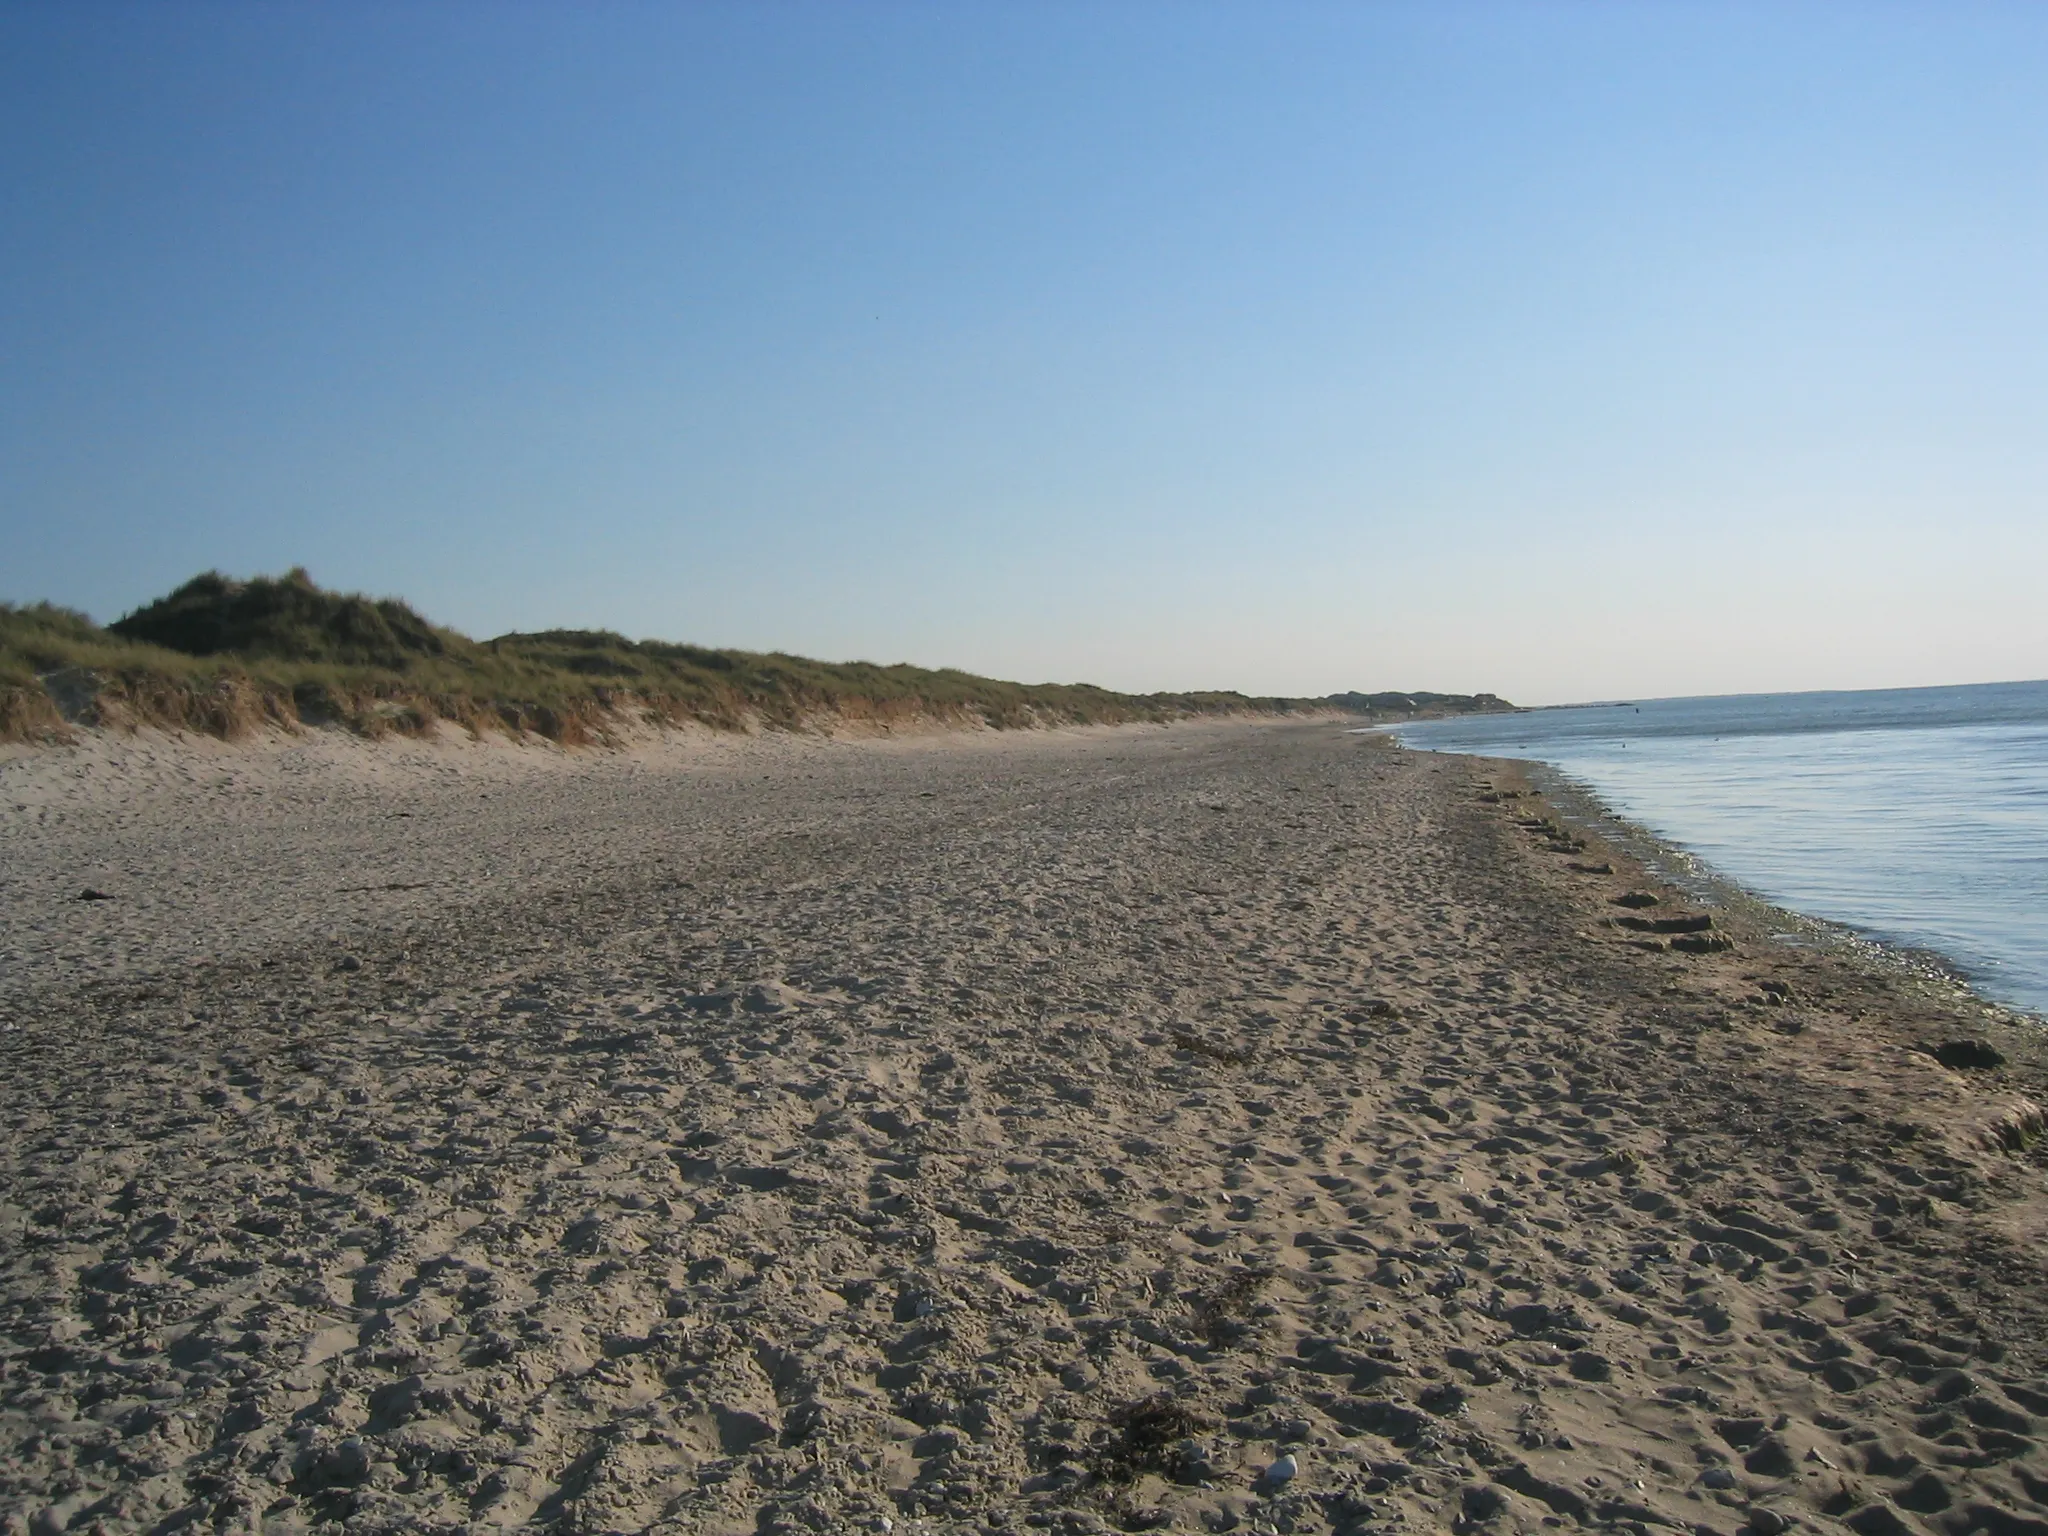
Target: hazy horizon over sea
column 1915, row 816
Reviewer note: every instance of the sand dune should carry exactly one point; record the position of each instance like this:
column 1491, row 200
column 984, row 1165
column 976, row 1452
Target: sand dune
column 1058, row 1131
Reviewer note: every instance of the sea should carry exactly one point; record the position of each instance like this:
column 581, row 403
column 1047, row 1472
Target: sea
column 1915, row 817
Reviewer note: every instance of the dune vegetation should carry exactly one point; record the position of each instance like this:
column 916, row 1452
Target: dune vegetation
column 225, row 656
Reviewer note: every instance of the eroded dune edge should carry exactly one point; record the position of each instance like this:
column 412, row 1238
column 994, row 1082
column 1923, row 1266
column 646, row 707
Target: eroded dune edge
column 1038, row 1131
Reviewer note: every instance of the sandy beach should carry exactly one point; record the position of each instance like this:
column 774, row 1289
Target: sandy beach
column 1233, row 1126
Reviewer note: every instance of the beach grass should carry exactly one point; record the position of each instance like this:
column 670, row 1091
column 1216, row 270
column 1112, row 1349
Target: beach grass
column 225, row 656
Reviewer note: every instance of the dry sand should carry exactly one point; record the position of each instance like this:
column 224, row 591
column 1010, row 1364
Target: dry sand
column 1037, row 1131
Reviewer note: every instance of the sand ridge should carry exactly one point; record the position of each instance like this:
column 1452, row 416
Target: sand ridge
column 1033, row 1131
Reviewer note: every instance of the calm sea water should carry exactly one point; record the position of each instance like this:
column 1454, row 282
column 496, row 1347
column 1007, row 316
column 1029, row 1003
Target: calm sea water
column 1914, row 815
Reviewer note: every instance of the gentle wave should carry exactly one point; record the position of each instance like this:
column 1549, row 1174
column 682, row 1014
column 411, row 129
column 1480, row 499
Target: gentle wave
column 1918, row 816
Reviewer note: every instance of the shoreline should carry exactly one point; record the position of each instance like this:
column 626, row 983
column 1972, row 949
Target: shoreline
column 1680, row 866
column 1911, row 983
column 1699, row 876
column 1049, row 1131
column 1913, row 838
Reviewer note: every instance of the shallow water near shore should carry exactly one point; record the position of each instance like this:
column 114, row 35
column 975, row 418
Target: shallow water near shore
column 1918, row 816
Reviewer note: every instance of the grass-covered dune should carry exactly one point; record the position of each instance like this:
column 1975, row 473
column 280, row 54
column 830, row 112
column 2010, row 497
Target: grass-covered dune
column 225, row 656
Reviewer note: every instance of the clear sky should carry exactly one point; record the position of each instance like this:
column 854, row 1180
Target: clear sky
column 1567, row 351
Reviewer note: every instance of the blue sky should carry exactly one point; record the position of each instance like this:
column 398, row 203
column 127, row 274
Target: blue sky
column 1566, row 351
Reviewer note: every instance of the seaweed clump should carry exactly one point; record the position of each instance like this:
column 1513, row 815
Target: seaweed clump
column 1146, row 1436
